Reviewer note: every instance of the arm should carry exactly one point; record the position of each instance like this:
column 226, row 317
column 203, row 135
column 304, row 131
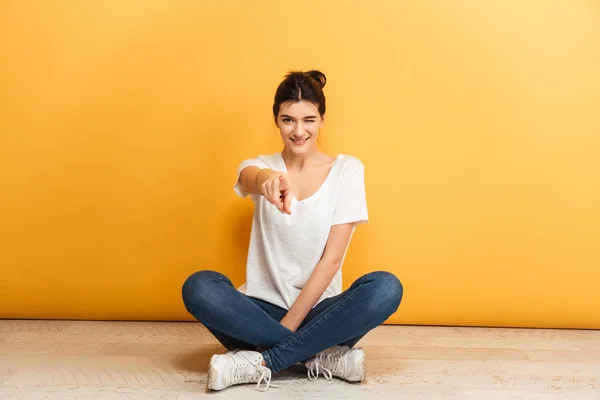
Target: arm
column 252, row 179
column 274, row 186
column 321, row 277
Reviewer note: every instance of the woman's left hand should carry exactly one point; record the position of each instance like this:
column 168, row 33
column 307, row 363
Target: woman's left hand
column 288, row 324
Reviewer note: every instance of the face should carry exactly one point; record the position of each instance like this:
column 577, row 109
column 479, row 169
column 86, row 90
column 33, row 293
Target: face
column 299, row 124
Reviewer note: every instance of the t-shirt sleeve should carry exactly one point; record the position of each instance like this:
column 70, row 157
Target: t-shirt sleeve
column 251, row 162
column 351, row 205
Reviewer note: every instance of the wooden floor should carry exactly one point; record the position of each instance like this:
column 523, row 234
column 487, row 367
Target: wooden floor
column 131, row 360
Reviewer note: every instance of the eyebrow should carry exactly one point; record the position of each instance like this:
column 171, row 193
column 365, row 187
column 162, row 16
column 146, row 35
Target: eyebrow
column 307, row 117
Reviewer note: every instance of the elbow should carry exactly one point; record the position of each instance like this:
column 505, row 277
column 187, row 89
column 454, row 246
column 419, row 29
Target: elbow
column 333, row 264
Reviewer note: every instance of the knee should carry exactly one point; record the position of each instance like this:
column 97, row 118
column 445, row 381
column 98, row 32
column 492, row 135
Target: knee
column 199, row 288
column 389, row 291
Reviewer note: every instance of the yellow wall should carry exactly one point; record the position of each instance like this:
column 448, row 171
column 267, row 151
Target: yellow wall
column 122, row 123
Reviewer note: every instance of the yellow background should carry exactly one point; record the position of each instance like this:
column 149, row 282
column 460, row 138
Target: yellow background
column 122, row 123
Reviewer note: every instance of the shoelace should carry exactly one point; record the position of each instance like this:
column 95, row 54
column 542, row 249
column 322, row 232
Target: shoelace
column 313, row 371
column 265, row 374
column 245, row 373
column 317, row 363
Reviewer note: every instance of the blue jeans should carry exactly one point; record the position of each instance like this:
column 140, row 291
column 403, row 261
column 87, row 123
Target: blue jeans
column 240, row 321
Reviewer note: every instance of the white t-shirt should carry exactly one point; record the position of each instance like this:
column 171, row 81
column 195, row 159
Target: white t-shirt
column 284, row 249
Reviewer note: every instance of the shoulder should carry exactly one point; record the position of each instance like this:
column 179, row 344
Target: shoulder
column 262, row 160
column 350, row 163
column 270, row 158
column 350, row 170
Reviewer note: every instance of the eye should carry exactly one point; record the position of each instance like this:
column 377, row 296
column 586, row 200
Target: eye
column 310, row 121
column 287, row 120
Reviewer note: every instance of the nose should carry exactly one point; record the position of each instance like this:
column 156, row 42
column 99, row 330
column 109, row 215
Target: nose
column 299, row 130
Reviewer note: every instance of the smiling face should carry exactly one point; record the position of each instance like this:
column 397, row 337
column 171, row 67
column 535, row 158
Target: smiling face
column 299, row 123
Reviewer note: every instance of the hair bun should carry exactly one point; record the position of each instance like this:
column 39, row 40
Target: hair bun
column 318, row 76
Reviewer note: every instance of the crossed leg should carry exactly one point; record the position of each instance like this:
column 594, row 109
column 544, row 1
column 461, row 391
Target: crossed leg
column 239, row 321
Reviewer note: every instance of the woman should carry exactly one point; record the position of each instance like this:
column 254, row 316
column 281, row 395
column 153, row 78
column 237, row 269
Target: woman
column 291, row 308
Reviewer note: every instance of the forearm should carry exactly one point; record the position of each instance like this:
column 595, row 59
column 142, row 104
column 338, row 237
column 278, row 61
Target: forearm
column 252, row 178
column 311, row 293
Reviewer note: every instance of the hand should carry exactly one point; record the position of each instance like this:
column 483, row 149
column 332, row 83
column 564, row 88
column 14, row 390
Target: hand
column 288, row 324
column 277, row 189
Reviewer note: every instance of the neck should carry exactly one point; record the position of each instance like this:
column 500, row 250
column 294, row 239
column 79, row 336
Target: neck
column 299, row 161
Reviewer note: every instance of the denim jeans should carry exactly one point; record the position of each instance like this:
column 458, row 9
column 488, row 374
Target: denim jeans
column 240, row 321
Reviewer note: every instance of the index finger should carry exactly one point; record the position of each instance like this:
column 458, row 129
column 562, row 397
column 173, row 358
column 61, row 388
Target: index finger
column 287, row 202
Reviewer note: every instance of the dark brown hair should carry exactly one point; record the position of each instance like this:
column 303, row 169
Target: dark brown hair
column 301, row 86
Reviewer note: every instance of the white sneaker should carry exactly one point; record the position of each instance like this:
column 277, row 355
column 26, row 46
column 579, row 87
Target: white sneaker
column 237, row 367
column 339, row 361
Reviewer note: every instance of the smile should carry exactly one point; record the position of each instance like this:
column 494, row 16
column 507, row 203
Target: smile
column 300, row 142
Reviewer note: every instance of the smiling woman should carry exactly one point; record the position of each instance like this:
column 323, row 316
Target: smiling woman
column 291, row 308
column 299, row 106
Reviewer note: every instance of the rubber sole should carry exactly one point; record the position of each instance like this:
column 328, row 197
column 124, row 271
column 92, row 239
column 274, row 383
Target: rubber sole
column 213, row 375
column 361, row 370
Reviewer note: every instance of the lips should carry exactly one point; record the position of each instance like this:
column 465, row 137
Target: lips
column 300, row 142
